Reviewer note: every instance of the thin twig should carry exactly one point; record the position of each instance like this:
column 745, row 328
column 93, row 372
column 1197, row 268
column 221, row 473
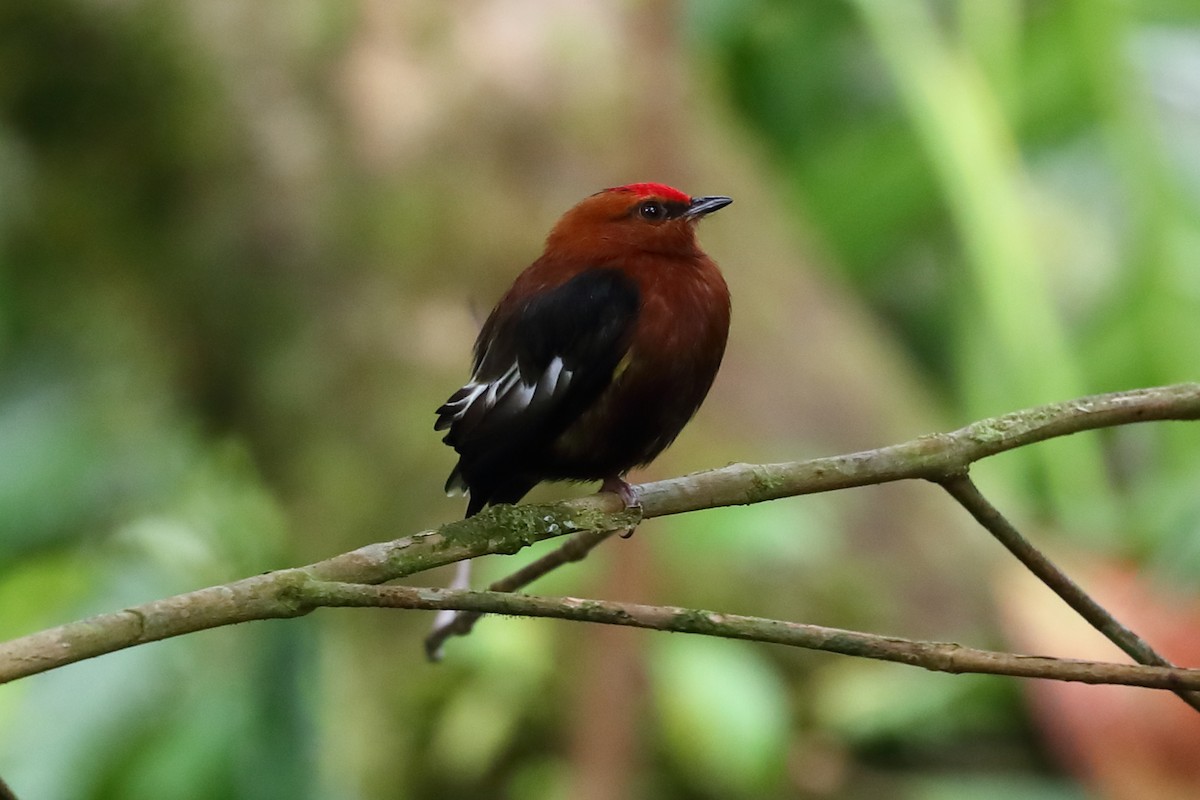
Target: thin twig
column 964, row 490
column 929, row 457
column 937, row 656
column 462, row 622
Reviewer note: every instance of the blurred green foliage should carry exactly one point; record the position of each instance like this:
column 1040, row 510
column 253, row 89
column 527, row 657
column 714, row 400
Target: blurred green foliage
column 1018, row 200
column 223, row 329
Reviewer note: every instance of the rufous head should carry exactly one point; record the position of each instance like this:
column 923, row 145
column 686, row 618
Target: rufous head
column 638, row 217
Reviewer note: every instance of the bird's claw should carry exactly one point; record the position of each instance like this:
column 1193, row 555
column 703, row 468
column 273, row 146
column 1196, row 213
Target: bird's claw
column 628, row 495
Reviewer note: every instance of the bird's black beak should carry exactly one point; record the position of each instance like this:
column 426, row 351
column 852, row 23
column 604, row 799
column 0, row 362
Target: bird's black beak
column 706, row 205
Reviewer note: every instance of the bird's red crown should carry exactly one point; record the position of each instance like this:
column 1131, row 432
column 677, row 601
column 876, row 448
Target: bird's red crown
column 660, row 190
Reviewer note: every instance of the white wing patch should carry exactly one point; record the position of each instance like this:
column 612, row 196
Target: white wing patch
column 500, row 387
column 554, row 380
column 461, row 400
column 505, row 396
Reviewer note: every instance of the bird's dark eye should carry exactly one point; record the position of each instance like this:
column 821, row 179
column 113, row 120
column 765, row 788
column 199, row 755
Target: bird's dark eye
column 652, row 210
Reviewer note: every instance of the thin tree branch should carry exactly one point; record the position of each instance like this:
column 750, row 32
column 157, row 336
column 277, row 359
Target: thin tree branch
column 946, row 455
column 507, row 529
column 273, row 595
column 964, row 490
column 937, row 656
column 575, row 549
column 930, row 457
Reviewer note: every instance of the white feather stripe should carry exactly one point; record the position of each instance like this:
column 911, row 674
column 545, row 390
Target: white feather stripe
column 551, row 382
column 472, row 390
column 500, row 387
column 509, row 393
column 553, row 370
column 522, row 394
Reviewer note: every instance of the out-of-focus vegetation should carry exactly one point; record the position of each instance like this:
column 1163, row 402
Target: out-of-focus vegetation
column 243, row 249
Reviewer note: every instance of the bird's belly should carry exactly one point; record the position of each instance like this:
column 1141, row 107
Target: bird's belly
column 635, row 419
column 660, row 384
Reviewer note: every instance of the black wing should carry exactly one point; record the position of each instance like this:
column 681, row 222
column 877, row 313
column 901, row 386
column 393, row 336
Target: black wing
column 537, row 368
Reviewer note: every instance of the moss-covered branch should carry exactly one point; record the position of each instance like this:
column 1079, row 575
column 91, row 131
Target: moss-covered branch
column 508, row 529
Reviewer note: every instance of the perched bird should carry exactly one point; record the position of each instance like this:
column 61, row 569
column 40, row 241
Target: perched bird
column 599, row 353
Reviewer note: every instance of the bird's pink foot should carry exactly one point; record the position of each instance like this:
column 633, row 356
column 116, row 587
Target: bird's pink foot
column 628, row 495
column 620, row 488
